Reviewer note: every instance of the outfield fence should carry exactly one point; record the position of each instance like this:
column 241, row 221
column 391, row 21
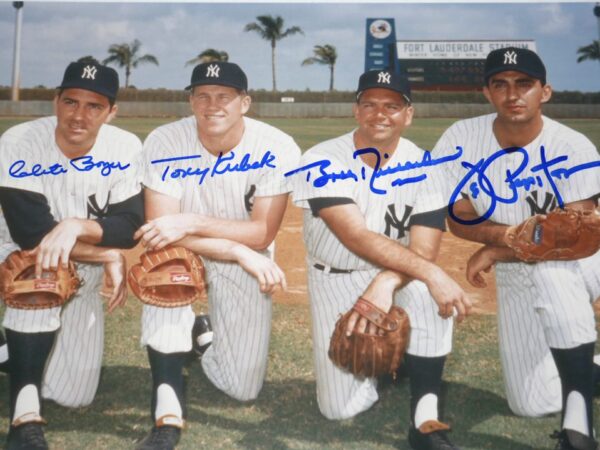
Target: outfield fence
column 300, row 110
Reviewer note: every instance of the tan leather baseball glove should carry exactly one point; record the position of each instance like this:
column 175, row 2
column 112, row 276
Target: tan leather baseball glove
column 20, row 288
column 563, row 234
column 169, row 278
column 371, row 355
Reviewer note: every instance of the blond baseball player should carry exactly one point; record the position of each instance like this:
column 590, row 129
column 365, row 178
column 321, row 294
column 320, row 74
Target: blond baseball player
column 69, row 190
column 545, row 317
column 214, row 184
column 373, row 230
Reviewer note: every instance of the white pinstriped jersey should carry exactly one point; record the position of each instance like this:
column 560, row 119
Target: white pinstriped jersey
column 477, row 139
column 220, row 193
column 387, row 214
column 80, row 191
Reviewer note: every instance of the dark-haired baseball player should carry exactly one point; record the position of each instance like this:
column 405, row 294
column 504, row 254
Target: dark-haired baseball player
column 546, row 321
column 69, row 190
column 214, row 184
column 377, row 236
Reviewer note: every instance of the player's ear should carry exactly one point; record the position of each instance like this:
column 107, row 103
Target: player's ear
column 410, row 111
column 246, row 102
column 355, row 110
column 55, row 104
column 112, row 113
column 546, row 93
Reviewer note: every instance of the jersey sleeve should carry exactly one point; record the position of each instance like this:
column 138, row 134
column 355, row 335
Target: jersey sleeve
column 128, row 182
column 452, row 171
column 158, row 147
column 17, row 159
column 581, row 179
column 309, row 182
column 272, row 180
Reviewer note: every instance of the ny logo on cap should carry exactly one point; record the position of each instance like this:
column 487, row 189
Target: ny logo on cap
column 384, row 77
column 213, row 71
column 510, row 57
column 89, row 72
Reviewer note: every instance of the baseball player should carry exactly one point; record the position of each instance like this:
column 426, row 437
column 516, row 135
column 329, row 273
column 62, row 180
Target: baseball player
column 69, row 190
column 545, row 317
column 372, row 232
column 214, row 183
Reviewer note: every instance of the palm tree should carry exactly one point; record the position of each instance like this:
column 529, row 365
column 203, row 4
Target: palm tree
column 325, row 55
column 208, row 55
column 271, row 29
column 591, row 52
column 126, row 55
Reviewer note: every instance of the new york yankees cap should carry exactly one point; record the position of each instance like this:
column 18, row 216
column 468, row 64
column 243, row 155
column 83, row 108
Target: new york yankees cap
column 221, row 73
column 517, row 59
column 93, row 77
column 384, row 79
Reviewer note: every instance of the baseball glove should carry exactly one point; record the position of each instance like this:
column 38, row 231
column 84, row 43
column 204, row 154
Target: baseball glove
column 563, row 234
column 20, row 289
column 169, row 278
column 371, row 355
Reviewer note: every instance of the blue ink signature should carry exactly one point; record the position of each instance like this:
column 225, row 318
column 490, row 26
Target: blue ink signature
column 224, row 164
column 81, row 164
column 485, row 186
column 323, row 176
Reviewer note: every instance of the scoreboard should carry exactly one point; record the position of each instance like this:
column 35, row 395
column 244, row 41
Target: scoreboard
column 449, row 64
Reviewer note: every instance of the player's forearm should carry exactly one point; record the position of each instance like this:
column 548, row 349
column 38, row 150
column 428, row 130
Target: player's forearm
column 218, row 249
column 501, row 254
column 488, row 232
column 87, row 231
column 254, row 234
column 387, row 253
column 87, row 253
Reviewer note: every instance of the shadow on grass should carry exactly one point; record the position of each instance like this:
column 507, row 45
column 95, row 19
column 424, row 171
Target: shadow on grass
column 284, row 416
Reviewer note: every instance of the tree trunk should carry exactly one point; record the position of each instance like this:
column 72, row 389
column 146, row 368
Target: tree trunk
column 127, row 73
column 273, row 65
column 331, row 77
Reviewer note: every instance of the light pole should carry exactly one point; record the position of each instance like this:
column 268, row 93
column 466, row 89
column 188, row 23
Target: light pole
column 17, row 51
column 597, row 14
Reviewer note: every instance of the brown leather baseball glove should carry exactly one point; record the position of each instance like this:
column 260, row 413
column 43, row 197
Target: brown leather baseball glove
column 563, row 234
column 371, row 355
column 20, row 288
column 170, row 277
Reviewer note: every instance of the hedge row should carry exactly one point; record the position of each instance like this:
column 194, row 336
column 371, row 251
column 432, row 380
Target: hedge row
column 167, row 95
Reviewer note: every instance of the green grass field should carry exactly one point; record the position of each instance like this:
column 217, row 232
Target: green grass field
column 286, row 416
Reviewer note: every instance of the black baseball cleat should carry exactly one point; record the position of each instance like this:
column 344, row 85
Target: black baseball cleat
column 161, row 438
column 430, row 436
column 202, row 335
column 3, row 354
column 28, row 436
column 573, row 440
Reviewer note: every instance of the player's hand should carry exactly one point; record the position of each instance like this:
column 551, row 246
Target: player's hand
column 115, row 280
column 448, row 295
column 162, row 231
column 481, row 261
column 380, row 292
column 268, row 274
column 55, row 248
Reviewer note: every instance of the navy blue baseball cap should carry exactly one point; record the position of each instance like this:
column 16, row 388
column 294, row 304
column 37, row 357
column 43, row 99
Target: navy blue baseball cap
column 517, row 59
column 93, row 77
column 221, row 73
column 384, row 79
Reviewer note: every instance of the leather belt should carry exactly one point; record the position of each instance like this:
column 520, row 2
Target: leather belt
column 331, row 269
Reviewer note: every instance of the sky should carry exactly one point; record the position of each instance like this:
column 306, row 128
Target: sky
column 56, row 33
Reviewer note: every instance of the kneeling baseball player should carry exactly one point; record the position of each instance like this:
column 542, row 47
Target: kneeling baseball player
column 546, row 259
column 376, row 237
column 69, row 191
